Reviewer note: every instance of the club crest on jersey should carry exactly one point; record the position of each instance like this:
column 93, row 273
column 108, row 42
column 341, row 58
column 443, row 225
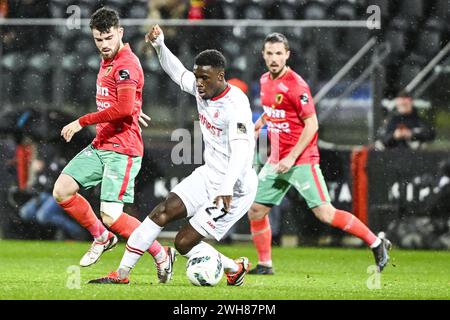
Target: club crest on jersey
column 304, row 99
column 279, row 98
column 124, row 74
column 108, row 70
column 241, row 128
column 216, row 115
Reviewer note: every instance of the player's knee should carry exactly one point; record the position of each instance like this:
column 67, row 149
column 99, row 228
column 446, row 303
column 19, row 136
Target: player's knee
column 64, row 188
column 106, row 219
column 58, row 193
column 324, row 213
column 256, row 213
column 110, row 212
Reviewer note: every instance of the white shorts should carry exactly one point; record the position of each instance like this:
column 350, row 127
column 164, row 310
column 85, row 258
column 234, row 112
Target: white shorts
column 197, row 193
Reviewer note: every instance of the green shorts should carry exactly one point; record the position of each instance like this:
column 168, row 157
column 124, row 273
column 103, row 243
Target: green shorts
column 306, row 178
column 115, row 171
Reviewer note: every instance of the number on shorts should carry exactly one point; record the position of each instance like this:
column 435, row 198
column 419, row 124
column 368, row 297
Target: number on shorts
column 218, row 217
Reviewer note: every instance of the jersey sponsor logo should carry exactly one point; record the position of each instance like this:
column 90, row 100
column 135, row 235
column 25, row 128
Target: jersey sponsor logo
column 102, row 105
column 241, row 128
column 274, row 113
column 211, row 224
column 278, row 127
column 210, row 127
column 124, row 74
column 102, row 91
column 279, row 98
column 304, row 99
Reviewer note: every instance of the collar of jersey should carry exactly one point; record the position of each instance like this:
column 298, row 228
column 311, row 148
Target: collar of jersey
column 282, row 77
column 224, row 92
column 125, row 48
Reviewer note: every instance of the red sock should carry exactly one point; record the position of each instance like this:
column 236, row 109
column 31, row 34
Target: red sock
column 349, row 223
column 126, row 224
column 262, row 238
column 80, row 209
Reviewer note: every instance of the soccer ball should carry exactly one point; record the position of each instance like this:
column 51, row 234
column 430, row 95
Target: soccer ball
column 204, row 269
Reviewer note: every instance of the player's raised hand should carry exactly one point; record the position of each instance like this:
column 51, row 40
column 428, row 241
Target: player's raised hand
column 69, row 130
column 143, row 118
column 155, row 36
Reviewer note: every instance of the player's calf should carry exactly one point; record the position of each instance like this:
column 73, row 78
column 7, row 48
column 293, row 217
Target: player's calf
column 169, row 210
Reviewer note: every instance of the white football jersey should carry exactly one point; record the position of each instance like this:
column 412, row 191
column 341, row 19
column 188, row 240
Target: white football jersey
column 222, row 119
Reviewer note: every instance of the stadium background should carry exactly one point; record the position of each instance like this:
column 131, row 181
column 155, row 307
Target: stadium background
column 47, row 78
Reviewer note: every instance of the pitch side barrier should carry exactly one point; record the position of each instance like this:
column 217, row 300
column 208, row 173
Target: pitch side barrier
column 380, row 187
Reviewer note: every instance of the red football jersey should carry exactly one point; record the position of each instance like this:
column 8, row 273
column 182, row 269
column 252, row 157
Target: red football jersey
column 124, row 135
column 286, row 102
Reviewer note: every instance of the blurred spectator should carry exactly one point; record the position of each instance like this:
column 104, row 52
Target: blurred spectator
column 167, row 9
column 3, row 8
column 16, row 38
column 196, row 10
column 406, row 129
column 40, row 155
column 42, row 208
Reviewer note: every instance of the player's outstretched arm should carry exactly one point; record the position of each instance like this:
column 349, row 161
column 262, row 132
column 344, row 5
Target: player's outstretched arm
column 169, row 62
column 122, row 109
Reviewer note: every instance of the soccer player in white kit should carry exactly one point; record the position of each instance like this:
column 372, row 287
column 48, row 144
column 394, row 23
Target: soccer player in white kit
column 217, row 194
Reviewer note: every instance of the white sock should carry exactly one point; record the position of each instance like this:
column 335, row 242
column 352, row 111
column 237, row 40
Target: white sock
column 140, row 240
column 228, row 264
column 376, row 243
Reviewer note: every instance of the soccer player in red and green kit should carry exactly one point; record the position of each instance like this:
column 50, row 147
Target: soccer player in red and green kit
column 114, row 157
column 292, row 124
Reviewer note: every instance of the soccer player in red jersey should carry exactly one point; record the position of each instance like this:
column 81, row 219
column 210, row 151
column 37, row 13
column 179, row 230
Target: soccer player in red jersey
column 290, row 116
column 114, row 157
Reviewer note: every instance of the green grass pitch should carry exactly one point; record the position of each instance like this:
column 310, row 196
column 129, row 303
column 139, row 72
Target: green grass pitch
column 39, row 270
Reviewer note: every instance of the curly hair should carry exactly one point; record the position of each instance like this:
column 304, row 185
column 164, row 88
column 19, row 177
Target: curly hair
column 211, row 58
column 103, row 19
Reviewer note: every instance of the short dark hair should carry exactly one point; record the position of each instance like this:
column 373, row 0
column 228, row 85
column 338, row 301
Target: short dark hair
column 404, row 94
column 103, row 19
column 211, row 58
column 277, row 37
